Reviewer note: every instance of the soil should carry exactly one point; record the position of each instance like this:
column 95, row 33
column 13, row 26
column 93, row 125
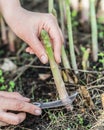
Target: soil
column 29, row 82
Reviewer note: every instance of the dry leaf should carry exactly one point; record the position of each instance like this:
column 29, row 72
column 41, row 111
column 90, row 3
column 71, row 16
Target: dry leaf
column 64, row 75
column 86, row 96
column 102, row 100
column 44, row 76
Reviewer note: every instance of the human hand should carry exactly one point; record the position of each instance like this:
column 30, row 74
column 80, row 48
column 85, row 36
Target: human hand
column 13, row 101
column 28, row 25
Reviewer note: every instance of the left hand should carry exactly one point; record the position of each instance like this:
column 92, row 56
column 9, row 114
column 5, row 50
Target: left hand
column 28, row 25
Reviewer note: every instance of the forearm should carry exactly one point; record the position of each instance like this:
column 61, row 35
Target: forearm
column 7, row 7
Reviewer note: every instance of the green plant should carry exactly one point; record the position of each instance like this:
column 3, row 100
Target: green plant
column 101, row 60
column 74, row 20
column 65, row 60
column 100, row 30
column 53, row 11
column 70, row 36
column 2, row 81
column 11, row 86
column 94, row 30
column 80, row 120
column 55, row 70
column 85, row 57
column 3, row 86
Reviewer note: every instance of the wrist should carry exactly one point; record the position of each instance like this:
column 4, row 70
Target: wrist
column 9, row 8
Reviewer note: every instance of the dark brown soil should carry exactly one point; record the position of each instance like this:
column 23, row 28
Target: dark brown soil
column 31, row 85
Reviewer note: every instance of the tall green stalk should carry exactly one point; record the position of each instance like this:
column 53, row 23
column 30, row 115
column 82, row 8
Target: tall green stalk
column 55, row 70
column 94, row 30
column 64, row 55
column 50, row 6
column 70, row 36
column 61, row 15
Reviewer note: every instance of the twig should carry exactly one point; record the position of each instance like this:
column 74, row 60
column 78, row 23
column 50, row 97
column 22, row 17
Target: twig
column 21, row 49
column 102, row 78
column 80, row 70
column 23, row 69
column 96, row 86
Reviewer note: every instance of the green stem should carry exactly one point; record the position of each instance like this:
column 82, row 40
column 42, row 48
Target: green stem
column 55, row 70
column 70, row 36
column 61, row 15
column 50, row 6
column 53, row 11
column 94, row 30
column 64, row 55
column 65, row 59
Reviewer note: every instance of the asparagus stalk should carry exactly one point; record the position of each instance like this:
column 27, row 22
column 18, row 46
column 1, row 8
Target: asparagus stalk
column 94, row 30
column 86, row 53
column 63, row 95
column 53, row 11
column 64, row 56
column 50, row 6
column 61, row 15
column 70, row 36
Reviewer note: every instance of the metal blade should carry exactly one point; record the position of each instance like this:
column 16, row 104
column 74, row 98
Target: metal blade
column 56, row 103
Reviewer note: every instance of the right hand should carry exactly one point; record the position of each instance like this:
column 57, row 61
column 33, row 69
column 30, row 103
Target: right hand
column 13, row 101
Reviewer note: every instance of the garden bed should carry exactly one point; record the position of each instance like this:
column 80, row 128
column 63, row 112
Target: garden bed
column 34, row 80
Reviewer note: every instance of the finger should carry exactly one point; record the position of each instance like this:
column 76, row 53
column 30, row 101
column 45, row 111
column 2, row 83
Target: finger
column 11, row 118
column 14, row 95
column 3, row 124
column 38, row 48
column 53, row 29
column 29, row 50
column 57, row 43
column 18, row 105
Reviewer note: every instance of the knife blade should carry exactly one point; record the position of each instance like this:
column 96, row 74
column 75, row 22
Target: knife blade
column 54, row 104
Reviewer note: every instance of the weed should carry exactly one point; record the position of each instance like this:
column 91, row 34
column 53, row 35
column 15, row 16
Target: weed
column 74, row 20
column 11, row 86
column 6, row 87
column 101, row 59
column 80, row 120
column 85, row 58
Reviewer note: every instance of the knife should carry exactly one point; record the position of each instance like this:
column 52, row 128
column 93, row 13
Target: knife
column 54, row 104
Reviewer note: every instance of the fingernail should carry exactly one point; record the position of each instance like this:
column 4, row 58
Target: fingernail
column 44, row 59
column 38, row 112
column 59, row 60
column 26, row 99
column 31, row 52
